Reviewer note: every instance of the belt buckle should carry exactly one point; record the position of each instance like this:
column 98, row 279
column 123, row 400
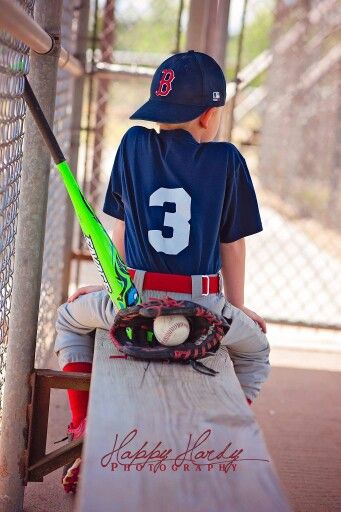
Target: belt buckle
column 208, row 286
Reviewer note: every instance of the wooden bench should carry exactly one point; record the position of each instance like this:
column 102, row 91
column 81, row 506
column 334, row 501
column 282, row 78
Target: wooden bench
column 161, row 437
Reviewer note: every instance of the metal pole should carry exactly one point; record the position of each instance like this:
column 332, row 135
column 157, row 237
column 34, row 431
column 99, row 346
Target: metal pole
column 88, row 122
column 178, row 27
column 18, row 23
column 197, row 25
column 105, row 71
column 27, row 270
column 207, row 28
column 77, row 103
column 236, row 76
column 335, row 170
column 101, row 102
column 216, row 37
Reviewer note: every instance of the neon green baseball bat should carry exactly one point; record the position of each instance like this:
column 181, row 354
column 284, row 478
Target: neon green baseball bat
column 112, row 269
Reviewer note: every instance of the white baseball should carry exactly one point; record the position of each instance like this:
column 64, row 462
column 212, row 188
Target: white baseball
column 171, row 330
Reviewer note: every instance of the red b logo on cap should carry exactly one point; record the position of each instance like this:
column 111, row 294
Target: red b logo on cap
column 165, row 85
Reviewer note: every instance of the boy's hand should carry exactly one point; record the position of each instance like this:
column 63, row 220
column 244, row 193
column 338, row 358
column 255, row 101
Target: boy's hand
column 85, row 289
column 254, row 317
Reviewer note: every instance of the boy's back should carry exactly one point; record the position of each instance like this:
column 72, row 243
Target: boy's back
column 179, row 199
column 184, row 203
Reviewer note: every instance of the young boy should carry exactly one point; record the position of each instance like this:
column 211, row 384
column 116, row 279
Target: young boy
column 182, row 206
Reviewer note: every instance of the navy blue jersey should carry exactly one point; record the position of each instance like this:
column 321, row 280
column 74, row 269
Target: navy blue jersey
column 179, row 199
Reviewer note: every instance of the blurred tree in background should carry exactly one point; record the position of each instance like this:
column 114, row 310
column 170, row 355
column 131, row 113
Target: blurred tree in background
column 147, row 26
column 256, row 39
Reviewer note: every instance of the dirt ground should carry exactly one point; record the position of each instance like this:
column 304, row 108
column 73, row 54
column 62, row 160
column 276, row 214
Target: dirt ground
column 299, row 411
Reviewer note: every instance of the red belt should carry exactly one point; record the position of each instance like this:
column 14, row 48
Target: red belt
column 177, row 283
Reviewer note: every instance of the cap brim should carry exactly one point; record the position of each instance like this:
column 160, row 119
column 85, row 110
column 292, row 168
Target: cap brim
column 162, row 112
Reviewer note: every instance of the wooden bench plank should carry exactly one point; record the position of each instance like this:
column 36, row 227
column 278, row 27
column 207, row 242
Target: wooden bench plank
column 169, row 406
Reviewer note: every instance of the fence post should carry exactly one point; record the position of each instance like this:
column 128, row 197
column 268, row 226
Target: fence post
column 27, row 269
column 197, row 25
column 102, row 97
column 216, row 37
column 76, row 115
column 207, row 28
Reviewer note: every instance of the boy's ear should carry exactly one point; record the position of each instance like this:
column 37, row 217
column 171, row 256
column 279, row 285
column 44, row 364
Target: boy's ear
column 204, row 119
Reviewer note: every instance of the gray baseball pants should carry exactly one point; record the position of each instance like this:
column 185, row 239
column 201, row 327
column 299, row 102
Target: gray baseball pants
column 247, row 344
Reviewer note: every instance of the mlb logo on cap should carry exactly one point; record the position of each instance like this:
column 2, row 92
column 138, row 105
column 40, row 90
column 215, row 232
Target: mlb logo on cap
column 183, row 87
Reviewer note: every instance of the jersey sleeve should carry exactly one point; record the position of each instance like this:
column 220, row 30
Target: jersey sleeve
column 113, row 204
column 240, row 216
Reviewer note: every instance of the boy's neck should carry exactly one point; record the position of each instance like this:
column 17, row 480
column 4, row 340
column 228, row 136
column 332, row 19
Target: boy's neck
column 191, row 127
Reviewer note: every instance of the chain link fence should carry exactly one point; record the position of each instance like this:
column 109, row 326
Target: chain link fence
column 121, row 36
column 97, row 97
column 286, row 122
column 14, row 63
column 56, row 224
column 299, row 172
column 286, row 116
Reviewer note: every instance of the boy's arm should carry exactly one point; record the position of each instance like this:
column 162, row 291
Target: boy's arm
column 118, row 237
column 233, row 271
column 249, row 353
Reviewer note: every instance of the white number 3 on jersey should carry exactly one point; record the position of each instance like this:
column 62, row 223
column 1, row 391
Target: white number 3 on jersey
column 178, row 220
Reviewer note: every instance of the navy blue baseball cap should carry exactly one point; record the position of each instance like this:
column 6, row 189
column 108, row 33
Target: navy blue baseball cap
column 183, row 87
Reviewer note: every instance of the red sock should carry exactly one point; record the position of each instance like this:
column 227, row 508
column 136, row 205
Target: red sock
column 78, row 399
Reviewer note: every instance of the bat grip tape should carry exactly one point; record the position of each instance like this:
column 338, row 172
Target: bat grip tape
column 42, row 124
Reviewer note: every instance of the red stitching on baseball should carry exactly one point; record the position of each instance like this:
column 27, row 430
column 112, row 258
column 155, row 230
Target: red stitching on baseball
column 172, row 329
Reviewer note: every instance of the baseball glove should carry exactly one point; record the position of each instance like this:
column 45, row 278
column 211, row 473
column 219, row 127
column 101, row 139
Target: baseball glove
column 206, row 331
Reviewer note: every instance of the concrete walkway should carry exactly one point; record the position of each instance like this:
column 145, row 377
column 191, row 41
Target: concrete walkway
column 299, row 410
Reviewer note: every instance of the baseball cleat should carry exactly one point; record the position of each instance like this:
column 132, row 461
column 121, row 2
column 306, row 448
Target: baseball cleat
column 71, row 471
column 71, row 477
